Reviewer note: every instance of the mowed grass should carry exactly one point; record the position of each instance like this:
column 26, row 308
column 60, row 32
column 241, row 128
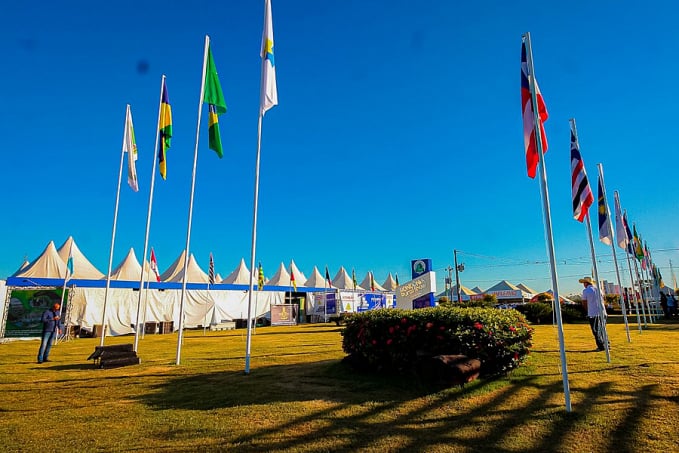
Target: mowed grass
column 299, row 397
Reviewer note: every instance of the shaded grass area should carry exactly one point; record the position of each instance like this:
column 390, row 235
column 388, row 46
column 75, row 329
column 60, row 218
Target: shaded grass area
column 300, row 397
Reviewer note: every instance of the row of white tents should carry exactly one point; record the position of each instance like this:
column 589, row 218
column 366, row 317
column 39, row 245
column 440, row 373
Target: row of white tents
column 52, row 261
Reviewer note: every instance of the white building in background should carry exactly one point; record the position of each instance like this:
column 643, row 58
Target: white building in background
column 610, row 288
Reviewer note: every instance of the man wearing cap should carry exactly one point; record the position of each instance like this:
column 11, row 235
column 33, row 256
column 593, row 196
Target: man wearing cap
column 51, row 327
column 595, row 311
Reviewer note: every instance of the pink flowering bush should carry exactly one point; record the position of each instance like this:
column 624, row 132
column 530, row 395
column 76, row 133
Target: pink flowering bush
column 393, row 339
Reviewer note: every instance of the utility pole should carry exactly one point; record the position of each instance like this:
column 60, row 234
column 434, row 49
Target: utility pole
column 449, row 282
column 458, row 268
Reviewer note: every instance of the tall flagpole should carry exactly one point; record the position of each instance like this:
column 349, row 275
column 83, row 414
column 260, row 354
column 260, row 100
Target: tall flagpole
column 548, row 222
column 148, row 219
column 615, row 263
column 634, row 291
column 248, row 341
column 113, row 233
column 602, row 316
column 193, row 186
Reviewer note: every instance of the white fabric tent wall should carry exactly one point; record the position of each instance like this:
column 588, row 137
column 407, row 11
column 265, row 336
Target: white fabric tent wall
column 199, row 305
column 300, row 278
column 280, row 278
column 3, row 296
column 130, row 270
column 390, row 284
column 316, row 280
column 240, row 275
column 366, row 283
column 342, row 280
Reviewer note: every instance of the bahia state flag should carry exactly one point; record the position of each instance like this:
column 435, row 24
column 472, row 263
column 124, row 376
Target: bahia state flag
column 214, row 97
column 260, row 277
column 530, row 143
column 581, row 191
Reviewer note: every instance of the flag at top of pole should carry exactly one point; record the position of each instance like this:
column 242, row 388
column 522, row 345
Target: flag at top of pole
column 620, row 231
column 605, row 230
column 214, row 97
column 130, row 147
column 260, row 278
column 69, row 263
column 269, row 92
column 164, row 131
column 293, row 282
column 582, row 192
column 527, row 109
column 154, row 265
column 211, row 271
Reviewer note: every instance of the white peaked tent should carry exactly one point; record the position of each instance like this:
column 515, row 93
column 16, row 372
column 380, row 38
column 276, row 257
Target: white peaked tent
column 130, row 269
column 477, row 290
column 317, row 280
column 300, row 278
column 526, row 289
column 366, row 283
column 23, row 266
column 342, row 280
column 194, row 274
column 280, row 278
column 504, row 285
column 82, row 268
column 390, row 284
column 218, row 277
column 47, row 265
column 239, row 276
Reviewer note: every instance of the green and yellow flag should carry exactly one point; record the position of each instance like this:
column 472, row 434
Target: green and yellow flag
column 164, row 130
column 214, row 97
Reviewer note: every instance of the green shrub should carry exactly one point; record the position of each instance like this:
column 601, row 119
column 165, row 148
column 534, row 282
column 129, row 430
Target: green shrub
column 393, row 339
column 478, row 303
column 542, row 313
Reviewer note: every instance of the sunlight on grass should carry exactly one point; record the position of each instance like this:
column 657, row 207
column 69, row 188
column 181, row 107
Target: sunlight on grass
column 299, row 397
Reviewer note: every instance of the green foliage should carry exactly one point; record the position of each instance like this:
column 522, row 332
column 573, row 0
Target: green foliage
column 490, row 298
column 444, row 301
column 392, row 339
column 545, row 298
column 477, row 303
column 542, row 313
column 537, row 312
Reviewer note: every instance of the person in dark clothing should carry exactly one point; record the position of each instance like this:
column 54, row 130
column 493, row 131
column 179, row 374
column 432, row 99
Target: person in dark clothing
column 663, row 305
column 51, row 327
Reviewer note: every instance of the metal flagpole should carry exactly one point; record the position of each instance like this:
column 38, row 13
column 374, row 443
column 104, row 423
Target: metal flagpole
column 548, row 222
column 649, row 294
column 248, row 340
column 641, row 291
column 674, row 278
column 193, row 187
column 148, row 220
column 113, row 233
column 63, row 293
column 602, row 315
column 615, row 262
column 457, row 278
column 634, row 291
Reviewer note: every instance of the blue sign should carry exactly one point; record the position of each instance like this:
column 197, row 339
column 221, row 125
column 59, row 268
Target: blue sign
column 419, row 267
column 372, row 301
column 424, row 301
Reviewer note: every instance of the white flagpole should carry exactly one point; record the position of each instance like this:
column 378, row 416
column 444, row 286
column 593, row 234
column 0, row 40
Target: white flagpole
column 623, row 304
column 600, row 168
column 634, row 291
column 248, row 340
column 148, row 220
column 548, row 223
column 602, row 316
column 193, row 186
column 113, row 233
column 641, row 291
column 63, row 293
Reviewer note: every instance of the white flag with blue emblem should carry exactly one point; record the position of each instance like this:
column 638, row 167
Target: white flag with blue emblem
column 269, row 92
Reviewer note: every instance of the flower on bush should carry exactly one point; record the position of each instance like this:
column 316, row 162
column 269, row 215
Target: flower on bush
column 499, row 338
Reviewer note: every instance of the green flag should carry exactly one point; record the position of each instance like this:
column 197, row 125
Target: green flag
column 214, row 97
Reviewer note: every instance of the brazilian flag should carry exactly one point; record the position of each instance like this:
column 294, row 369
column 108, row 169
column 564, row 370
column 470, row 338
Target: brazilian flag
column 214, row 97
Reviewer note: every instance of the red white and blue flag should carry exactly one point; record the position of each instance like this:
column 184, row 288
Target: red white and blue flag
column 582, row 192
column 532, row 158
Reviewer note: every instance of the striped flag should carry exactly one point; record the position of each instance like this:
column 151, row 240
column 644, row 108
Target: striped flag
column 154, row 265
column 353, row 278
column 211, row 271
column 527, row 108
column 628, row 232
column 164, row 131
column 292, row 278
column 214, row 97
column 605, row 230
column 638, row 249
column 396, row 278
column 269, row 92
column 130, row 147
column 372, row 281
column 581, row 191
column 69, row 263
column 260, row 277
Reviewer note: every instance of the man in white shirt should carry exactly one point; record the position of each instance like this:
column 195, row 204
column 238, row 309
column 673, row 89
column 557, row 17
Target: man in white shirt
column 595, row 311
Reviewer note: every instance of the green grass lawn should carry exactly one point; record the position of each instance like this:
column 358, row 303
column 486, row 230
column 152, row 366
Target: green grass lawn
column 299, row 397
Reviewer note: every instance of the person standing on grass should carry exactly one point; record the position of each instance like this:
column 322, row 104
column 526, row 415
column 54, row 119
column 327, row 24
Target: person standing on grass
column 51, row 327
column 595, row 311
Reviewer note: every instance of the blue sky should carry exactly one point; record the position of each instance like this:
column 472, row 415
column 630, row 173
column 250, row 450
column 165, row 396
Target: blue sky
column 397, row 136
